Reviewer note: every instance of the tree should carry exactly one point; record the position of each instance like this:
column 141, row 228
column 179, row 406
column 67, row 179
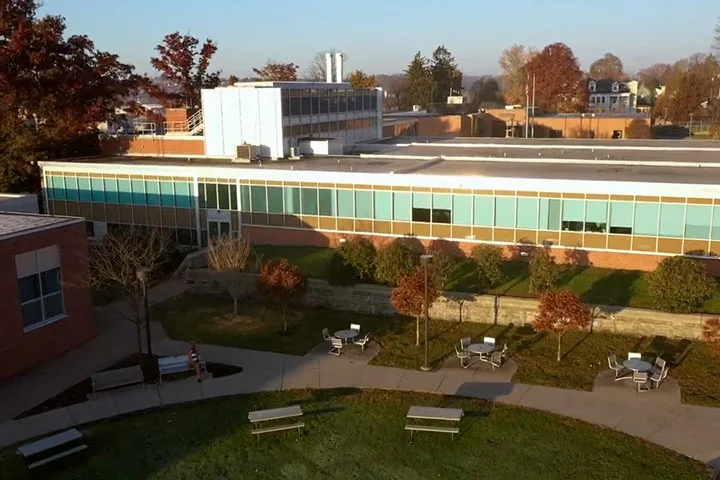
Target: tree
column 716, row 43
column 689, row 89
column 418, row 81
column 230, row 256
column 655, row 75
column 514, row 78
column 560, row 84
column 53, row 92
column 680, row 284
column 394, row 88
column 543, row 271
column 559, row 313
column 340, row 272
column 488, row 261
column 444, row 267
column 315, row 71
column 408, row 297
column 608, row 67
column 277, row 72
column 486, row 91
column 711, row 334
column 280, row 281
column 638, row 129
column 359, row 80
column 183, row 66
column 232, row 80
column 446, row 77
column 395, row 261
column 360, row 253
column 115, row 263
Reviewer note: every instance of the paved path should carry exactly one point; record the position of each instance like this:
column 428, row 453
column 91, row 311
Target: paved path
column 690, row 430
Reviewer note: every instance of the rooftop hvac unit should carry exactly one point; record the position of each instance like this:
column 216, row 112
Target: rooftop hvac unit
column 245, row 152
column 294, row 152
column 416, row 108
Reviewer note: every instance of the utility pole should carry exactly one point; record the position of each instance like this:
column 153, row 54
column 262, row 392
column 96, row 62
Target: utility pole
column 527, row 106
column 533, row 108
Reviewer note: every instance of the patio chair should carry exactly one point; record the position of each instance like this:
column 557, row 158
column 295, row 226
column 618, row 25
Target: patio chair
column 463, row 356
column 658, row 372
column 621, row 373
column 336, row 346
column 641, row 380
column 632, row 355
column 496, row 359
column 490, row 340
column 363, row 341
column 355, row 327
column 326, row 334
column 465, row 343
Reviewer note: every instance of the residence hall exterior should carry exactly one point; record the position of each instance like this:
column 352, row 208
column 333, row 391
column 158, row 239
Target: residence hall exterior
column 46, row 308
column 615, row 204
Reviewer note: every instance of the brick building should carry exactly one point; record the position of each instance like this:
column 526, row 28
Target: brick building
column 46, row 308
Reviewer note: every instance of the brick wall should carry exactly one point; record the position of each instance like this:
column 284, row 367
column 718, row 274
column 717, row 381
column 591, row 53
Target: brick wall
column 454, row 306
column 152, row 145
column 20, row 351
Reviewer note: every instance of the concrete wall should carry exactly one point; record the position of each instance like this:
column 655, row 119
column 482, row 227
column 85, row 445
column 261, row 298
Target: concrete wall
column 454, row 306
column 20, row 203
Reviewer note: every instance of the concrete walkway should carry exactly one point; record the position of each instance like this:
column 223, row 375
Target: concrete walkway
column 690, row 430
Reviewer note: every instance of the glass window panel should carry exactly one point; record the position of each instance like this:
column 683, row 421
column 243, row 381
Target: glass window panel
column 29, row 287
column 422, row 200
column 483, row 212
column 621, row 215
column 97, row 190
column 462, row 210
column 646, row 219
column 223, row 192
column 53, row 306
column 182, row 195
column 292, row 201
column 167, row 194
column 32, row 313
column 697, row 221
column 327, row 202
column 309, row 198
column 184, row 236
column 245, row 198
column 441, row 215
column 527, row 213
column 346, row 207
column 550, row 210
column 421, row 215
column 111, row 190
column 50, row 281
column 363, row 204
column 573, row 210
column 505, row 212
column 211, row 196
column 441, row 200
column 402, row 206
column 596, row 211
column 258, row 199
column 275, row 200
column 138, row 192
column 57, row 187
column 124, row 192
column 202, row 195
column 232, row 192
column 84, row 190
column 71, row 188
column 383, row 205
column 715, row 231
column 152, row 189
column 672, row 220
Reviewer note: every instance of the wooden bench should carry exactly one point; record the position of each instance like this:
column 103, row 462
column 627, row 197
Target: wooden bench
column 122, row 377
column 177, row 364
column 434, row 414
column 52, row 448
column 259, row 416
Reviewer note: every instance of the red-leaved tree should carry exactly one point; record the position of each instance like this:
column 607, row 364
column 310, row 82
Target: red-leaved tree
column 559, row 82
column 711, row 333
column 559, row 313
column 277, row 72
column 409, row 296
column 183, row 69
column 281, row 281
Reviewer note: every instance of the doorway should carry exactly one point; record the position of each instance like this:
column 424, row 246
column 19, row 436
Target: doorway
column 217, row 228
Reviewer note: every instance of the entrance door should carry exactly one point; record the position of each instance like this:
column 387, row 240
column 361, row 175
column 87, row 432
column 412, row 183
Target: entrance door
column 217, row 228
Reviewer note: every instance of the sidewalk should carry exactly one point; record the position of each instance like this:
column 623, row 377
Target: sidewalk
column 687, row 429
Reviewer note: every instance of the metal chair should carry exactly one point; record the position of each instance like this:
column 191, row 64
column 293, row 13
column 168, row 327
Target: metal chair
column 363, row 341
column 326, row 334
column 463, row 356
column 632, row 355
column 355, row 327
column 465, row 342
column 490, row 340
column 641, row 379
column 336, row 346
column 658, row 372
column 621, row 373
column 496, row 359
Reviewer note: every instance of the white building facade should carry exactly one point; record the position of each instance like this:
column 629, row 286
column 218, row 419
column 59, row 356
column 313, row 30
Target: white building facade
column 612, row 96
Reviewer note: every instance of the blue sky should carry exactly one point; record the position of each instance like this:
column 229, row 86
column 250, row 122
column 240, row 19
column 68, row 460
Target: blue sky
column 381, row 36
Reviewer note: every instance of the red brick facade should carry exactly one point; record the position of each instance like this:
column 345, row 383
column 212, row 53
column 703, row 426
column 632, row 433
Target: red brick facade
column 19, row 350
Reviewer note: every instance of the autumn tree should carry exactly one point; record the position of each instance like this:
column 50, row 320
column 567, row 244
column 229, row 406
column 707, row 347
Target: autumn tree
column 711, row 334
column 394, row 88
column 689, row 89
column 655, row 75
column 232, row 80
column 543, row 271
column 277, row 72
column 230, row 256
column 514, row 78
column 608, row 67
column 280, row 281
column 560, row 84
column 486, row 91
column 418, row 81
column 638, row 129
column 446, row 76
column 559, row 313
column 395, row 261
column 316, row 69
column 358, row 80
column 408, row 297
column 182, row 65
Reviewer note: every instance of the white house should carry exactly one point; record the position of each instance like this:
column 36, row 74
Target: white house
column 612, row 96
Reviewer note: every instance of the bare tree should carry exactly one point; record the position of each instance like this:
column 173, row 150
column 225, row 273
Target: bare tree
column 230, row 256
column 114, row 266
column 315, row 71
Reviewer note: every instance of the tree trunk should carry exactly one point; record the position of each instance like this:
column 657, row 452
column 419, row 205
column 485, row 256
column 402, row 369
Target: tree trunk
column 138, row 334
column 417, row 330
column 284, row 310
column 559, row 353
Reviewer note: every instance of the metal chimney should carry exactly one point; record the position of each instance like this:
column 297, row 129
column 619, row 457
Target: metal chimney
column 328, row 68
column 338, row 67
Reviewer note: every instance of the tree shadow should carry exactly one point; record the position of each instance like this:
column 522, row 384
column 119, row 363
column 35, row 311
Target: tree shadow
column 617, row 288
column 577, row 257
column 518, row 271
column 674, row 351
column 447, row 246
column 567, row 352
column 568, row 272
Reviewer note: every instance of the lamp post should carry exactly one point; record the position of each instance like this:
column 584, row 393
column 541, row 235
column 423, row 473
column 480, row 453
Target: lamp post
column 425, row 261
column 142, row 276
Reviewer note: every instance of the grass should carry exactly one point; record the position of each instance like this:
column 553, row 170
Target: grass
column 601, row 286
column 210, row 320
column 351, row 434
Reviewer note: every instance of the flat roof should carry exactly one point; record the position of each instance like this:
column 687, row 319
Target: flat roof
column 13, row 224
column 299, row 85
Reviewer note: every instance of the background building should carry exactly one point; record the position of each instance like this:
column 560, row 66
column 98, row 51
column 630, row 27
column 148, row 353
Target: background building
column 612, row 96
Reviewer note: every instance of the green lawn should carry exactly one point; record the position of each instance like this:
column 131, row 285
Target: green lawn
column 603, row 286
column 351, row 434
column 258, row 326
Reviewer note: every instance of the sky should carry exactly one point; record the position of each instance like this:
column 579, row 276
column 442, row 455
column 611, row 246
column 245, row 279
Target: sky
column 381, row 36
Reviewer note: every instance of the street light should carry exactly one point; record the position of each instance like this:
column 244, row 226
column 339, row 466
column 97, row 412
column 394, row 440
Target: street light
column 142, row 275
column 425, row 261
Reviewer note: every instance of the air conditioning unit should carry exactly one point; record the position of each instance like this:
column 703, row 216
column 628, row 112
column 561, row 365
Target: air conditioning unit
column 246, row 152
column 294, row 152
column 416, row 108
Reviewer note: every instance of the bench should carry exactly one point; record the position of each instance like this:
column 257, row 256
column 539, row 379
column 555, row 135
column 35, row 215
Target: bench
column 52, row 448
column 434, row 414
column 177, row 364
column 259, row 416
column 122, row 377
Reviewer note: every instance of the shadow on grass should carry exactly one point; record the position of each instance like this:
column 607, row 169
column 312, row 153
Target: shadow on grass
column 582, row 339
column 515, row 272
column 672, row 351
column 616, row 289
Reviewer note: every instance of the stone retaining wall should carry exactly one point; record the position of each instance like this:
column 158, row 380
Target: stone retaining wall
column 458, row 306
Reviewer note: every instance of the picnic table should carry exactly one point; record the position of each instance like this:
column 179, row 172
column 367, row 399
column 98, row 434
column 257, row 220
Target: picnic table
column 257, row 417
column 52, row 448
column 453, row 415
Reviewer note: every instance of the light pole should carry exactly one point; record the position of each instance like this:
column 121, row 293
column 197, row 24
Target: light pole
column 142, row 276
column 425, row 261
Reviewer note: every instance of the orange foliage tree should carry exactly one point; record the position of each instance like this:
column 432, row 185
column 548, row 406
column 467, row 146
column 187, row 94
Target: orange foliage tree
column 711, row 333
column 281, row 281
column 277, row 72
column 559, row 82
column 559, row 313
column 358, row 80
column 409, row 296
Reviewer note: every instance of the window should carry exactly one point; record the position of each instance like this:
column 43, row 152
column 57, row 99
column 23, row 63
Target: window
column 646, row 219
column 258, row 199
column 383, row 205
column 275, row 200
column 84, row 190
column 483, row 212
column 363, row 204
column 697, row 221
column 309, row 201
column 715, row 230
column 593, row 86
column 462, row 210
column 292, row 201
column 421, row 214
column 39, row 286
column 621, row 218
column 550, row 214
column 441, row 215
column 244, row 198
column 183, row 198
column 615, row 87
column 345, row 203
column 71, row 188
column 223, row 196
column 672, row 220
column 505, row 212
column 573, row 215
column 152, row 189
column 326, row 200
column 402, row 206
column 111, row 190
column 596, row 216
column 527, row 213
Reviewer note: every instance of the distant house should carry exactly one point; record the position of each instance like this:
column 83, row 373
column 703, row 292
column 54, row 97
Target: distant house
column 612, row 96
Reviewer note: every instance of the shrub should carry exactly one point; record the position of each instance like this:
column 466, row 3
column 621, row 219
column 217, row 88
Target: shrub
column 711, row 333
column 680, row 284
column 359, row 252
column 340, row 272
column 444, row 267
column 543, row 272
column 488, row 261
column 638, row 129
column 394, row 261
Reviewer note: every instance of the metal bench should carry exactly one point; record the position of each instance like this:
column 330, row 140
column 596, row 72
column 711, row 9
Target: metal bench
column 177, row 364
column 434, row 414
column 52, row 448
column 257, row 417
column 122, row 377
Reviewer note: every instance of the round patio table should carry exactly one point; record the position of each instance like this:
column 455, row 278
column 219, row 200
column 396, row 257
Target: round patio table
column 481, row 348
column 637, row 365
column 346, row 335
